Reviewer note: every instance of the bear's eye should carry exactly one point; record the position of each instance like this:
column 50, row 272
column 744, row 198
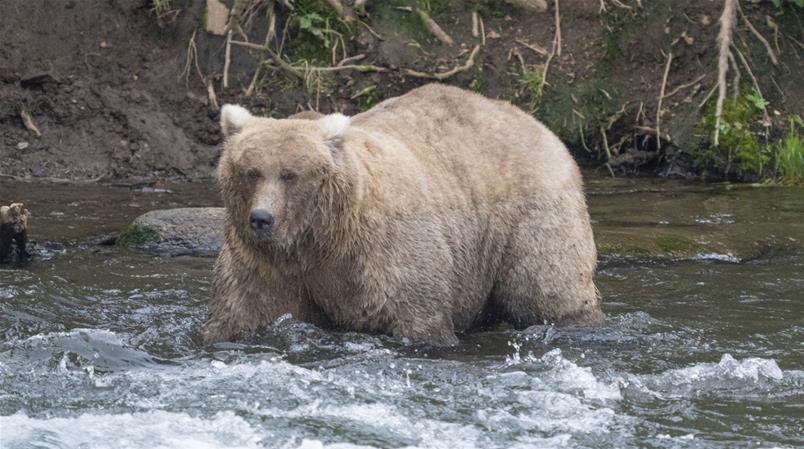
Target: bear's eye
column 288, row 176
column 253, row 175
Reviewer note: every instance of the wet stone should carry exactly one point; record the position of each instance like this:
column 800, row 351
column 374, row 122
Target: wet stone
column 184, row 231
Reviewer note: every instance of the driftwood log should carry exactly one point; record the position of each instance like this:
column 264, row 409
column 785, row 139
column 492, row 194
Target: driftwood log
column 13, row 233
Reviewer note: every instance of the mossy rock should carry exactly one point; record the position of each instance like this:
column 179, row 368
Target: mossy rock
column 184, row 231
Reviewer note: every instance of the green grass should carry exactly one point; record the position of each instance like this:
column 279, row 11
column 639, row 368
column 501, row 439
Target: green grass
column 529, row 88
column 790, row 154
column 162, row 7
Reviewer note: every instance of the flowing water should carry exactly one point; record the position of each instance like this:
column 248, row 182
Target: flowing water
column 100, row 346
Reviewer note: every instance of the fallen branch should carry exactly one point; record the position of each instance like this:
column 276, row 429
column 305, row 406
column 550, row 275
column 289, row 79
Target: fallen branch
column 661, row 98
column 555, row 50
column 287, row 68
column 227, row 59
column 444, row 75
column 434, row 28
column 685, row 85
column 535, row 48
column 727, row 20
column 535, row 5
column 212, row 98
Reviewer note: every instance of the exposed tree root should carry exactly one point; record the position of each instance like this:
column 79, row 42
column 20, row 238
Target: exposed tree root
column 449, row 73
column 759, row 36
column 661, row 99
column 727, row 20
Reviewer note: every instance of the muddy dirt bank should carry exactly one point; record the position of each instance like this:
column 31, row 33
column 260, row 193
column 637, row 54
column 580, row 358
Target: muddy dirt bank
column 119, row 90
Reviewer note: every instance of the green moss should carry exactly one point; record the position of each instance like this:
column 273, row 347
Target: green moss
column 620, row 249
column 677, row 244
column 136, row 235
column 739, row 150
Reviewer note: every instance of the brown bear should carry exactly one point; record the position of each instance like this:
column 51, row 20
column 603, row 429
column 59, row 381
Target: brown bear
column 432, row 213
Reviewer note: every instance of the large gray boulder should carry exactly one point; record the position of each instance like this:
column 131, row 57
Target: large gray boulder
column 185, row 231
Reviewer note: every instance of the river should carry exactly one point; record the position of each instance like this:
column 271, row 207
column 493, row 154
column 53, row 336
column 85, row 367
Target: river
column 704, row 345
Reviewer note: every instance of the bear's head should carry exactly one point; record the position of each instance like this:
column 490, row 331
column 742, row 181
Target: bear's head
column 278, row 178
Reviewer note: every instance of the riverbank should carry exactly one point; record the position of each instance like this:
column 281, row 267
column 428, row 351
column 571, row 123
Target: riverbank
column 128, row 90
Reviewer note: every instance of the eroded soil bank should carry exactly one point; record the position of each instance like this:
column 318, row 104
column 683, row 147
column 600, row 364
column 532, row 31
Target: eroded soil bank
column 118, row 89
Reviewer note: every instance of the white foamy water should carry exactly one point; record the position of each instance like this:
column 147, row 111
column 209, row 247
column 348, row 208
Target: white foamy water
column 154, row 429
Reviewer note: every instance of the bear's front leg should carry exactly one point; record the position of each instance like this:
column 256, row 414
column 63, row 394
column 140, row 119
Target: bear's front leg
column 246, row 297
column 435, row 330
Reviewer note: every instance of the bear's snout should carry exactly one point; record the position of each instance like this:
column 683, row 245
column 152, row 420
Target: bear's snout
column 261, row 220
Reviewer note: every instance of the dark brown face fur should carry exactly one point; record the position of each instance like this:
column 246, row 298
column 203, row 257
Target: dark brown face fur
column 277, row 171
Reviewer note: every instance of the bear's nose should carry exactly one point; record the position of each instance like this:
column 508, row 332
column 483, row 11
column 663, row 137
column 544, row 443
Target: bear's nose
column 261, row 219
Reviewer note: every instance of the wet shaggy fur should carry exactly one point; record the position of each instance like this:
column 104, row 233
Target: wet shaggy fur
column 430, row 214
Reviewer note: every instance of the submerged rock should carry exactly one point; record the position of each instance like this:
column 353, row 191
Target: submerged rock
column 183, row 231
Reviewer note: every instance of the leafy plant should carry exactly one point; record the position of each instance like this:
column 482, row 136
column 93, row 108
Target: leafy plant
column 790, row 153
column 315, row 25
column 739, row 151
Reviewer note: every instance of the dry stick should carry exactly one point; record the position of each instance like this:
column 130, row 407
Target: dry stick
column 766, row 118
column 772, row 24
column 287, row 68
column 727, row 20
column 27, row 120
column 351, row 59
column 608, row 151
column 227, row 59
column 759, row 36
column 371, row 30
column 270, row 34
column 482, row 31
column 213, row 99
column 556, row 43
column 444, row 75
column 475, row 25
column 708, row 96
column 661, row 99
column 558, row 30
column 435, row 29
column 339, row 8
column 685, row 85
column 534, row 48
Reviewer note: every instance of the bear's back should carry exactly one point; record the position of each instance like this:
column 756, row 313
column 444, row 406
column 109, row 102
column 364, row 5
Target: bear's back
column 488, row 148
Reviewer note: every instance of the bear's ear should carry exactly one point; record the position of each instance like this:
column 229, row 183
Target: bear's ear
column 334, row 125
column 234, row 118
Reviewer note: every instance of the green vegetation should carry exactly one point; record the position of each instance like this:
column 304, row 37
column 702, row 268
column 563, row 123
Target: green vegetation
column 321, row 34
column 529, row 88
column 790, row 154
column 161, row 8
column 778, row 3
column 366, row 95
column 739, row 151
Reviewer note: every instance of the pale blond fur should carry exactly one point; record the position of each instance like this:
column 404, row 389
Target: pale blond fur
column 432, row 213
